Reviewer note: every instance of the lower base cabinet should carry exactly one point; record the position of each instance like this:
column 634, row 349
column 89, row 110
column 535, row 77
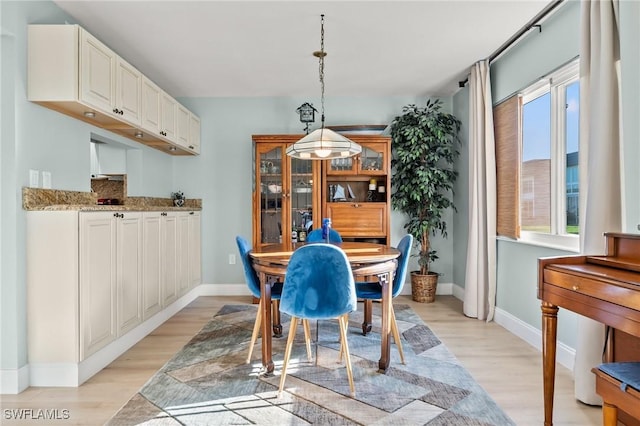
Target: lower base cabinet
column 94, row 276
column 172, row 258
column 110, row 277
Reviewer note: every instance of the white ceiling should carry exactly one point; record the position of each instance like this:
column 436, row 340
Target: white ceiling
column 264, row 48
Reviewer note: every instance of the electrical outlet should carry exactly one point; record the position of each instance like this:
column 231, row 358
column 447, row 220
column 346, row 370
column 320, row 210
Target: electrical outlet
column 46, row 180
column 232, row 259
column 34, row 178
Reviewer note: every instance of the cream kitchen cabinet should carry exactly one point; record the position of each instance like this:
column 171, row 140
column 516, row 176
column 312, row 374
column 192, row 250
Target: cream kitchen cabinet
column 188, row 129
column 182, row 125
column 195, row 249
column 72, row 72
column 169, row 250
column 163, row 116
column 194, row 133
column 169, row 109
column 128, row 92
column 110, row 277
column 183, row 253
column 94, row 280
column 151, row 118
column 188, row 256
column 107, row 82
column 172, row 258
column 129, row 270
column 152, row 264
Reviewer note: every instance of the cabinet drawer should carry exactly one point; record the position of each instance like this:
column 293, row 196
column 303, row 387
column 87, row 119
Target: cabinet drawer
column 358, row 219
column 598, row 289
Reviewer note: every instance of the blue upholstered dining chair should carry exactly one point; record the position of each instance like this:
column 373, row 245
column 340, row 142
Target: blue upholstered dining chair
column 254, row 286
column 315, row 236
column 318, row 286
column 373, row 291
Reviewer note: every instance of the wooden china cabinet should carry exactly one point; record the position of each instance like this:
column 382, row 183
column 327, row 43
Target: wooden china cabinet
column 292, row 194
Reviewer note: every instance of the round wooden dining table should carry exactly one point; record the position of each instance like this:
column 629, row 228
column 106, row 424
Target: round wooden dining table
column 368, row 260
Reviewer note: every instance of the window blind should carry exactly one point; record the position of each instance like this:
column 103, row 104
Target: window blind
column 507, row 124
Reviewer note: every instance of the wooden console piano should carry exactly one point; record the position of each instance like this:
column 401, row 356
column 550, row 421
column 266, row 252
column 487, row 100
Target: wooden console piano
column 605, row 288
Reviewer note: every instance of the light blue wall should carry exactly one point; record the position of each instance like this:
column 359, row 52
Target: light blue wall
column 536, row 55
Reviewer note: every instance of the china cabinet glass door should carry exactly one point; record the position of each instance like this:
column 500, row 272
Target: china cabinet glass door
column 371, row 160
column 301, row 205
column 270, row 175
column 286, row 192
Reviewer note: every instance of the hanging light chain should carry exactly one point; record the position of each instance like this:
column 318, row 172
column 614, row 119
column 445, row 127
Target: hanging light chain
column 321, row 54
column 323, row 144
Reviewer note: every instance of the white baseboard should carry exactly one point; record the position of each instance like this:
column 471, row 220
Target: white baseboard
column 223, row 290
column 458, row 292
column 565, row 355
column 14, row 381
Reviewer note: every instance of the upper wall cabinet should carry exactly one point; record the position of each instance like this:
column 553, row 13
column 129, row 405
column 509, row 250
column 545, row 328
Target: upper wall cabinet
column 72, row 72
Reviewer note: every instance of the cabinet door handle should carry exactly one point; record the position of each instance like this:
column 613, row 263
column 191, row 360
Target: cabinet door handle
column 191, row 212
column 356, row 205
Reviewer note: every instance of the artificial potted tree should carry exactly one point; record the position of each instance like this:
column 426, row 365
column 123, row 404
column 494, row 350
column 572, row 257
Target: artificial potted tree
column 424, row 148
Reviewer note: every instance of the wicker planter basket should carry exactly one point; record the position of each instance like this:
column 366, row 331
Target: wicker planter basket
column 423, row 287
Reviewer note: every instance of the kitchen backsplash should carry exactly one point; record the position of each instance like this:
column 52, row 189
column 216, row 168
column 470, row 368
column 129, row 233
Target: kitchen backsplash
column 111, row 188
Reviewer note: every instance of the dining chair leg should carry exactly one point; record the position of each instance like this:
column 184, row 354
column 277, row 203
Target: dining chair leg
column 287, row 351
column 396, row 334
column 342, row 341
column 307, row 336
column 343, row 335
column 256, row 330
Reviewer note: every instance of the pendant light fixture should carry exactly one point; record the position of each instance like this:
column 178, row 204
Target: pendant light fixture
column 322, row 143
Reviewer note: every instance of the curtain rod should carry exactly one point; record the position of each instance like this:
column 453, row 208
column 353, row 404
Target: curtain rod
column 533, row 23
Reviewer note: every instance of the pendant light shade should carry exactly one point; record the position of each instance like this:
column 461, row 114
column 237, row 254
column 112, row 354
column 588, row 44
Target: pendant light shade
column 323, row 143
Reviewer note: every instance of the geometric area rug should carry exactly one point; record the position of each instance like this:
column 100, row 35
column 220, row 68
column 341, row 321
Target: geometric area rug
column 209, row 383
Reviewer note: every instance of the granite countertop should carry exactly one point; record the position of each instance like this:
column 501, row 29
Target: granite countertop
column 101, row 208
column 36, row 199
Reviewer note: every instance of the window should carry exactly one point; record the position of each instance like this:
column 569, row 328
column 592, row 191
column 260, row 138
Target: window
column 549, row 175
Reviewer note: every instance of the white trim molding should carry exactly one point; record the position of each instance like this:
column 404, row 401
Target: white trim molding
column 565, row 355
column 14, row 381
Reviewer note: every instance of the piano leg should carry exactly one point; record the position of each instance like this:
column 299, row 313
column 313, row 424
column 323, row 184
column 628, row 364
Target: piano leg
column 549, row 334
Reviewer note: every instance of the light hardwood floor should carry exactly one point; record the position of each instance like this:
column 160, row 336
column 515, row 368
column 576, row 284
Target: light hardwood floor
column 507, row 367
